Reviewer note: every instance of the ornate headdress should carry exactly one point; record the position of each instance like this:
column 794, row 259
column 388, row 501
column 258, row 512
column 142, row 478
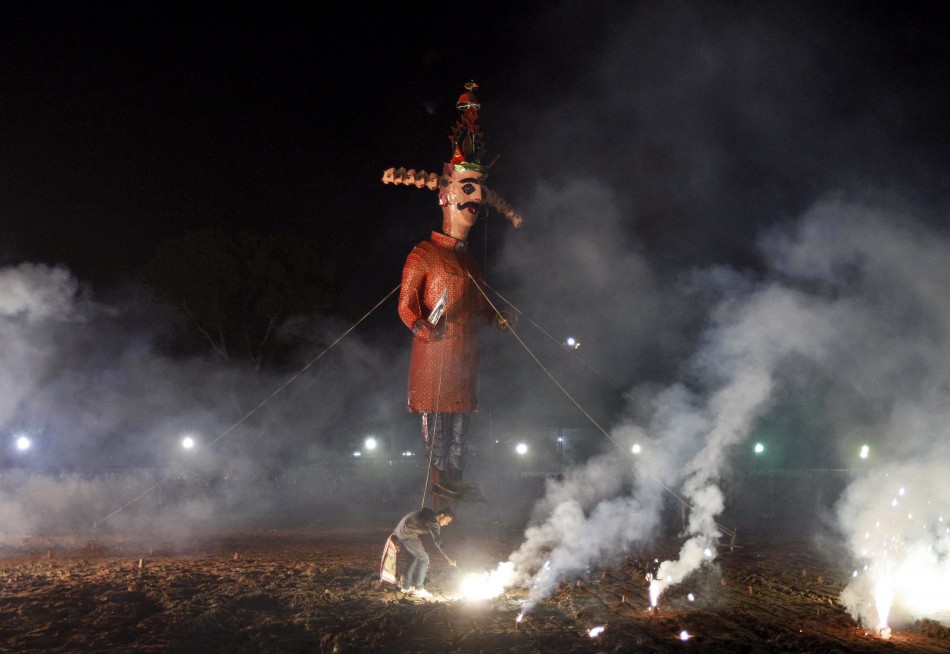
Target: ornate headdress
column 468, row 142
column 468, row 148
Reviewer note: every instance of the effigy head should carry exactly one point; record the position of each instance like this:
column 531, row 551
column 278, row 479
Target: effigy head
column 461, row 190
column 461, row 197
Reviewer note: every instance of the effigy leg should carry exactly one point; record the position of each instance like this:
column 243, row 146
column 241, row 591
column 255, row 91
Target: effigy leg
column 446, row 438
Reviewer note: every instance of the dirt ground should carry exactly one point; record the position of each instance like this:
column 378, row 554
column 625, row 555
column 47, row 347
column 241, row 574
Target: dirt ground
column 317, row 589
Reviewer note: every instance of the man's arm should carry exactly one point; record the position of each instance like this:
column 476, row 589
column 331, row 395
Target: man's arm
column 436, row 532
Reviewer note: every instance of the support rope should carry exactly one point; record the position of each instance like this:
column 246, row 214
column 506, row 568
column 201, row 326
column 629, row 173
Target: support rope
column 257, row 408
column 669, row 490
column 554, row 340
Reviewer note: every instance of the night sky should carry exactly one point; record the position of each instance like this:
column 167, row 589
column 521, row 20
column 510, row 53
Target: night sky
column 126, row 124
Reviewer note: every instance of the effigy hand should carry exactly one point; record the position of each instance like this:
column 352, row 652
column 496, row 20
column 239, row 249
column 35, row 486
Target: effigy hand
column 425, row 330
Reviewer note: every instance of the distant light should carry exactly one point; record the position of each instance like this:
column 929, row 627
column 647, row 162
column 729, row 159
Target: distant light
column 691, row 597
column 636, row 448
column 407, row 453
column 187, row 442
column 572, row 343
column 521, row 449
column 759, row 448
column 865, row 450
column 357, row 453
column 684, row 635
column 23, row 443
column 560, row 439
column 596, row 631
column 370, row 443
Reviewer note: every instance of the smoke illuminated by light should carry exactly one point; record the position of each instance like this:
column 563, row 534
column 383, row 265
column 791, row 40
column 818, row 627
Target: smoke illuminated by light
column 906, row 552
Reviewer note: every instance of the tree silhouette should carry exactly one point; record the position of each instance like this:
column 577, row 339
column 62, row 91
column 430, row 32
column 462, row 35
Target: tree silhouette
column 237, row 289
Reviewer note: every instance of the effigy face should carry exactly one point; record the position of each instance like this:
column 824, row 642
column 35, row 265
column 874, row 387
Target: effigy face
column 461, row 198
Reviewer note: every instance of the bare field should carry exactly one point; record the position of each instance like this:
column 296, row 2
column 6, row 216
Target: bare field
column 317, row 589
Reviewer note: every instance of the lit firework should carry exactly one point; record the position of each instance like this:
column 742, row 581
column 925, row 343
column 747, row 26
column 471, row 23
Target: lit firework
column 694, row 552
column 487, row 585
column 903, row 535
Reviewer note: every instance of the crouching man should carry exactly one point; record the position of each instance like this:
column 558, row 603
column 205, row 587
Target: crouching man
column 408, row 530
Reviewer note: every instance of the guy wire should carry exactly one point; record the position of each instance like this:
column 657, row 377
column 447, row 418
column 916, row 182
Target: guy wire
column 258, row 407
column 575, row 402
column 554, row 340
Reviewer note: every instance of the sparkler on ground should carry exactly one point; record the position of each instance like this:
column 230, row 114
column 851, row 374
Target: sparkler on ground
column 487, row 585
column 900, row 529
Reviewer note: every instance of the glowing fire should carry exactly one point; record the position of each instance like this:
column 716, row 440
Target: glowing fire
column 486, row 585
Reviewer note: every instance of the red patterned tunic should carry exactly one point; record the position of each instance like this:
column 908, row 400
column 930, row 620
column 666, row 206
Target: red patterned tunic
column 443, row 372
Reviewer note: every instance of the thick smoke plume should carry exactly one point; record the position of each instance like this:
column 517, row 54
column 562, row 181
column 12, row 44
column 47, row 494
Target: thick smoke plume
column 87, row 384
column 851, row 302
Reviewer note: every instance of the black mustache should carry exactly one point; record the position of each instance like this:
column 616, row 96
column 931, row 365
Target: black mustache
column 475, row 206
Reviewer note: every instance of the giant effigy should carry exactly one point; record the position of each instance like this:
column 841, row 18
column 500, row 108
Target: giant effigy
column 442, row 301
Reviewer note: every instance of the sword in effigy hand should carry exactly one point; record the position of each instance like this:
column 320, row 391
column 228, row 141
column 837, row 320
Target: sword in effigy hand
column 439, row 308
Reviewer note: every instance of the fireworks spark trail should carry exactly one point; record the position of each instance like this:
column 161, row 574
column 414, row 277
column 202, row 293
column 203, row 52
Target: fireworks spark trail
column 900, row 534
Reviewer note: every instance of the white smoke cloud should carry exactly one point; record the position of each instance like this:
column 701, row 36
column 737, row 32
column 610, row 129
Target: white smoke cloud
column 106, row 409
column 36, row 292
column 896, row 521
column 853, row 297
column 30, row 296
column 571, row 270
column 589, row 516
